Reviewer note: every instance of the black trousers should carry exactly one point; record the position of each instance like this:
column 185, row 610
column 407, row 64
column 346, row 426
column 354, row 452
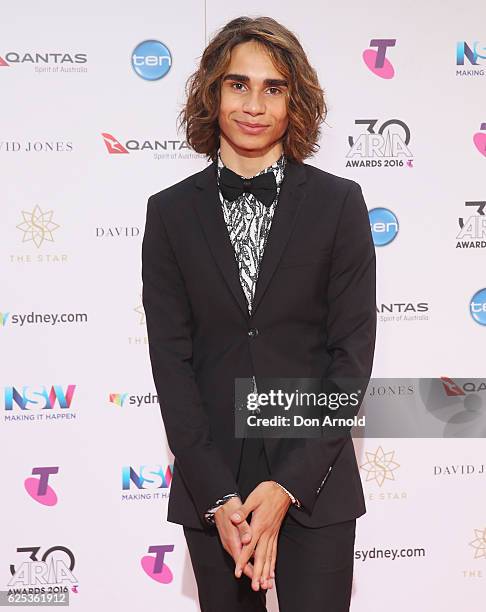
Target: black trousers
column 314, row 568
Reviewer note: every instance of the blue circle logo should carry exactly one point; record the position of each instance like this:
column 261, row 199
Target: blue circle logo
column 151, row 60
column 384, row 225
column 477, row 307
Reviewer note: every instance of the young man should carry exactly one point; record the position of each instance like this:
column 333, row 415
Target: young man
column 258, row 266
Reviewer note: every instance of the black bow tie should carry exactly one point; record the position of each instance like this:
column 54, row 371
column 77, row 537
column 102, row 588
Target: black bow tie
column 263, row 186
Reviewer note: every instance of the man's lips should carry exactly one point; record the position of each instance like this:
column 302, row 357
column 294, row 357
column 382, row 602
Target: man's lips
column 252, row 124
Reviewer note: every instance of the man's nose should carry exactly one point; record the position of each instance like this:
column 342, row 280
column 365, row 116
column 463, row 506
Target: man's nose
column 254, row 103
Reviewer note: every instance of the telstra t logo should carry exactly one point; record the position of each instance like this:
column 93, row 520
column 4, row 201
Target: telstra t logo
column 155, row 566
column 39, row 489
column 376, row 60
column 479, row 139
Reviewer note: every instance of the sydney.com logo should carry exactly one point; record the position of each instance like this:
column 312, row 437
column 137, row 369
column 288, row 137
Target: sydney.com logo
column 34, row 318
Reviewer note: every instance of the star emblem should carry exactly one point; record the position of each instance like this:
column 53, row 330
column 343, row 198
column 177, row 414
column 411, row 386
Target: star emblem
column 479, row 543
column 139, row 310
column 37, row 226
column 380, row 466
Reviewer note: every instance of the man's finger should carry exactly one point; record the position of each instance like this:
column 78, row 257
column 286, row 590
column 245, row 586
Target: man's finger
column 244, row 530
column 233, row 548
column 274, row 558
column 244, row 556
column 266, row 579
column 260, row 555
column 242, row 513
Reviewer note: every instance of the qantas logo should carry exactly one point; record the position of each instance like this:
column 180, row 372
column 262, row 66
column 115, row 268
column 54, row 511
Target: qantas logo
column 166, row 147
column 451, row 388
column 113, row 145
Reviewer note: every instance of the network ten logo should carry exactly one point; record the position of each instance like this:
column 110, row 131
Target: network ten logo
column 477, row 307
column 38, row 403
column 151, row 60
column 148, row 478
column 384, row 225
column 376, row 61
column 39, row 488
column 155, row 566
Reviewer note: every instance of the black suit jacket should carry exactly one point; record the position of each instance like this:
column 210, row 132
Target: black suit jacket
column 315, row 312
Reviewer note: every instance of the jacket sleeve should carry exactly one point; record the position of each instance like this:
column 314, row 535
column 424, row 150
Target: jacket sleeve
column 351, row 331
column 169, row 327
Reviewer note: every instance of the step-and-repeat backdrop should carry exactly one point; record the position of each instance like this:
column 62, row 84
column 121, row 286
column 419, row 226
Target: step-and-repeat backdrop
column 89, row 97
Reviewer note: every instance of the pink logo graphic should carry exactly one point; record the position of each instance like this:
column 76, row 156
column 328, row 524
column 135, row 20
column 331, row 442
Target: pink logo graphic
column 39, row 489
column 376, row 60
column 479, row 139
column 155, row 566
column 3, row 62
column 113, row 145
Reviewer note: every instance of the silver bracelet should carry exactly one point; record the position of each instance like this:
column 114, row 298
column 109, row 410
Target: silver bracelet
column 295, row 502
column 209, row 514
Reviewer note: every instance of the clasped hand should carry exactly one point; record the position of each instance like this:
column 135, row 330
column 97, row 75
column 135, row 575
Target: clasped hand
column 268, row 503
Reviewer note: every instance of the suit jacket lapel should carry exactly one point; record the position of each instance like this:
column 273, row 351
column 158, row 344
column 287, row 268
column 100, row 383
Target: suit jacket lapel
column 289, row 202
column 210, row 214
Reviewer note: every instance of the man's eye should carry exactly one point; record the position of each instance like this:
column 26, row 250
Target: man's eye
column 276, row 89
column 234, row 84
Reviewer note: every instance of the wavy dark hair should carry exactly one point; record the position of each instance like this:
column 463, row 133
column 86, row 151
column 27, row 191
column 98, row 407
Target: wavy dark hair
column 306, row 106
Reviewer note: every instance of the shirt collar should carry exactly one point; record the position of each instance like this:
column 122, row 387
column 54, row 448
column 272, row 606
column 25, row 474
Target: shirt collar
column 278, row 168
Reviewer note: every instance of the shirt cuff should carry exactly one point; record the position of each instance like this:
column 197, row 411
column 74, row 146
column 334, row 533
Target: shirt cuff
column 295, row 502
column 209, row 514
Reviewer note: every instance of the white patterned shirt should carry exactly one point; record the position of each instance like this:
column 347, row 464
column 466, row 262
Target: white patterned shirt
column 248, row 221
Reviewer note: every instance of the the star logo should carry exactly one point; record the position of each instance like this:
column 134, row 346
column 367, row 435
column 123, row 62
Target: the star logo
column 139, row 310
column 479, row 543
column 37, row 226
column 380, row 466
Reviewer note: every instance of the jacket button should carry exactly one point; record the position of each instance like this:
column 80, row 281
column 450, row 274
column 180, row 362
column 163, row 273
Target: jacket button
column 253, row 332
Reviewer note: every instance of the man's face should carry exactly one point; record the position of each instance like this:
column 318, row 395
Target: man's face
column 253, row 93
